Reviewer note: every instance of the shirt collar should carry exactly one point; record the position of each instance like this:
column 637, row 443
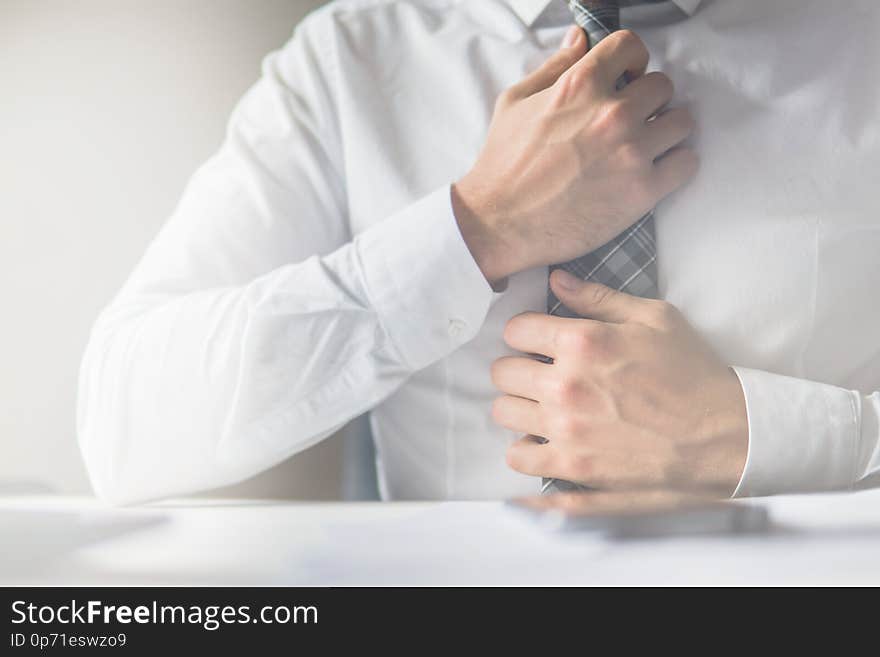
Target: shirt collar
column 529, row 10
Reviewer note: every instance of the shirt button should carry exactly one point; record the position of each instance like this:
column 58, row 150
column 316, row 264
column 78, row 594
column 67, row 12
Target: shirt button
column 456, row 326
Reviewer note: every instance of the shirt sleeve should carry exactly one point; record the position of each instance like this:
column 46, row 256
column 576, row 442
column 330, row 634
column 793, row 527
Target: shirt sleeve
column 807, row 437
column 255, row 325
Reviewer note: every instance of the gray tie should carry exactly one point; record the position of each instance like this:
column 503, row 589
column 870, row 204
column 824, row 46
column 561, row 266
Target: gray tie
column 629, row 261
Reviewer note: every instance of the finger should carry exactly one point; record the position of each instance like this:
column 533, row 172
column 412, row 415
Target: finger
column 648, row 94
column 622, row 53
column 522, row 377
column 674, row 169
column 518, row 414
column 596, row 301
column 668, row 130
column 532, row 458
column 574, row 47
column 536, row 333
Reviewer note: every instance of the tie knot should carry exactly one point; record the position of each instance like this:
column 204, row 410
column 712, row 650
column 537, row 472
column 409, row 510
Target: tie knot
column 598, row 18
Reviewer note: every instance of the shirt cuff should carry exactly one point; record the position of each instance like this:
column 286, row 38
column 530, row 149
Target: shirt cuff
column 803, row 436
column 425, row 285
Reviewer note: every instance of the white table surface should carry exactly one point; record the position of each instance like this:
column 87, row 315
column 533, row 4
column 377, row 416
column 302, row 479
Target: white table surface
column 820, row 540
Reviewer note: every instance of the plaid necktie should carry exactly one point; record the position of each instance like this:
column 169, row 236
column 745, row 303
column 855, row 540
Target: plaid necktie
column 629, row 261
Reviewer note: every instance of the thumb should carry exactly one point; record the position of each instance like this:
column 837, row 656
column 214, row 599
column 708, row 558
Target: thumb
column 592, row 300
column 574, row 46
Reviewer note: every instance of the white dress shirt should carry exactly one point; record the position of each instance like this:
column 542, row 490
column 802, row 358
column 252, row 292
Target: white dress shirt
column 313, row 270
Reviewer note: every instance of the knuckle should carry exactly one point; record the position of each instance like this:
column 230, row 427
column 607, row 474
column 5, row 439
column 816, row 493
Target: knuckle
column 567, row 391
column 512, row 328
column 568, row 426
column 664, row 312
column 599, row 295
column 601, row 342
column 548, row 119
column 560, row 61
column 573, row 81
column 618, row 114
column 505, row 98
column 559, row 95
column 509, row 332
column 616, row 122
column 580, row 467
column 514, row 457
column 495, row 372
column 628, row 39
column 499, row 410
column 523, row 456
column 579, row 341
column 664, row 83
column 633, row 155
column 644, row 191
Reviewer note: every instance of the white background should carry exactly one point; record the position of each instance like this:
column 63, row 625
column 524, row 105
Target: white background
column 106, row 108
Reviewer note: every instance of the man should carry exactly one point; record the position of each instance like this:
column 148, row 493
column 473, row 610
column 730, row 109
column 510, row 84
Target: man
column 359, row 244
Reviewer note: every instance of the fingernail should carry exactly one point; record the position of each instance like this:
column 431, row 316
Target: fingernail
column 571, row 36
column 566, row 281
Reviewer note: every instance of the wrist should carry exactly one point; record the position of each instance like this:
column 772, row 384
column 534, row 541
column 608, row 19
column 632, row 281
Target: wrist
column 481, row 230
column 726, row 450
